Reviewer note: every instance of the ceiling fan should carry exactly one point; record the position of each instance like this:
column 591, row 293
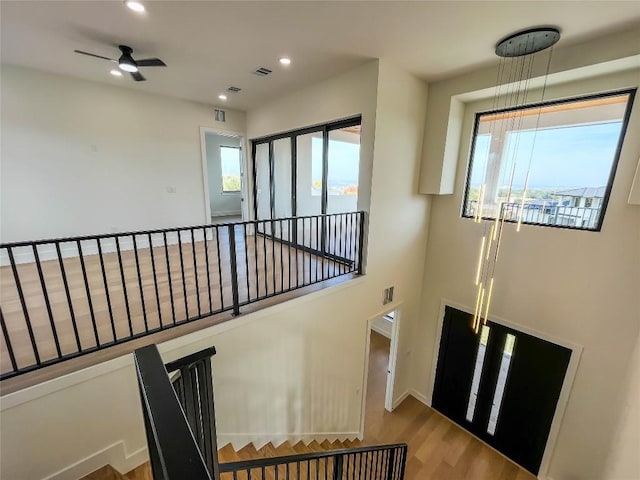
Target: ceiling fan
column 127, row 63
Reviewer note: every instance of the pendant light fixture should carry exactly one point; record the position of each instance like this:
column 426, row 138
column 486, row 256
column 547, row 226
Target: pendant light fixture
column 517, row 53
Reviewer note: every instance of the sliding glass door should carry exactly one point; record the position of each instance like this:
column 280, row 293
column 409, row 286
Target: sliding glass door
column 309, row 173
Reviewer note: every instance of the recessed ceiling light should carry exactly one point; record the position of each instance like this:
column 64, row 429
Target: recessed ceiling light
column 285, row 61
column 135, row 6
column 116, row 73
column 222, row 97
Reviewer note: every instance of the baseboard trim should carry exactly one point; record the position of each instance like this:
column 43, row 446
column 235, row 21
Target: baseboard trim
column 400, row 399
column 420, row 397
column 259, row 440
column 410, row 392
column 114, row 455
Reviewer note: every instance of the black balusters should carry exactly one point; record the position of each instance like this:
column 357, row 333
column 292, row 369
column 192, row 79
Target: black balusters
column 7, row 342
column 106, row 291
column 47, row 303
column 144, row 308
column 63, row 275
column 166, row 255
column 310, row 248
column 234, row 269
column 385, row 462
column 155, row 278
column 206, row 262
column 195, row 271
column 124, row 286
column 184, row 280
column 23, row 304
column 220, row 281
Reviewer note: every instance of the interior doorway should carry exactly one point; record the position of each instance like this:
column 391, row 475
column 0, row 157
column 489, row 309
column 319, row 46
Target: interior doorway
column 382, row 346
column 223, row 167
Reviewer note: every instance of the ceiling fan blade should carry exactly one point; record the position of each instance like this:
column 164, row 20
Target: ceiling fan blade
column 150, row 62
column 96, row 56
column 138, row 77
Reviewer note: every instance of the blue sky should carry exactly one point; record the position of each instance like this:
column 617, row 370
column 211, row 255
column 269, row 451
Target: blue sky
column 344, row 161
column 578, row 156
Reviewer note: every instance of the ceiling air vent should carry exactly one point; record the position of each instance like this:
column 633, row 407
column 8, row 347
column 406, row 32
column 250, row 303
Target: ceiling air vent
column 233, row 89
column 263, row 72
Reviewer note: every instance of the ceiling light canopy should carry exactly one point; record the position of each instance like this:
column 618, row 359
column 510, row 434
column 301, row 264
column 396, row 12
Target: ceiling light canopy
column 135, row 6
column 126, row 61
column 285, row 61
column 527, row 42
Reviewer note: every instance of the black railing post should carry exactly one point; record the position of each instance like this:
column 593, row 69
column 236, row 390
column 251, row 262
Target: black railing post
column 194, row 389
column 234, row 270
column 173, row 450
column 336, row 248
column 337, row 467
column 403, row 462
column 391, row 464
column 361, row 244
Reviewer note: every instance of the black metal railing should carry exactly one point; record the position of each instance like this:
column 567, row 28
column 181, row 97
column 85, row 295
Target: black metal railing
column 173, row 450
column 67, row 297
column 541, row 213
column 179, row 417
column 385, row 462
column 193, row 384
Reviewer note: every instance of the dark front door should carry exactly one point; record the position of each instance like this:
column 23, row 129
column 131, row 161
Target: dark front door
column 501, row 384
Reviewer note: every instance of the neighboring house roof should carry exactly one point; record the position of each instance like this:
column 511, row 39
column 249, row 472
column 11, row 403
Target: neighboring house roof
column 583, row 192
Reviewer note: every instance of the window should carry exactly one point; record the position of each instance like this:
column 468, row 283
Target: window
column 316, row 170
column 343, row 162
column 230, row 163
column 559, row 154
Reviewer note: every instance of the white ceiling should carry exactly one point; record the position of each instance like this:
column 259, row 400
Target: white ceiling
column 209, row 45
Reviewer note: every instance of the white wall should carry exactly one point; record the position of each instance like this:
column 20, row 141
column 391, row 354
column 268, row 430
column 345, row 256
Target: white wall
column 577, row 286
column 81, row 157
column 623, row 460
column 288, row 372
column 228, row 203
column 446, row 97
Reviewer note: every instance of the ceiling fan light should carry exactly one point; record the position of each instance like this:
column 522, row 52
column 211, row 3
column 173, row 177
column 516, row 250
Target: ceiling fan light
column 128, row 67
column 116, row 73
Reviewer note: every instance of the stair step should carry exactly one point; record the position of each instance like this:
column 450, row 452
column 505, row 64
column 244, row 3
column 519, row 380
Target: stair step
column 248, row 452
column 105, row 473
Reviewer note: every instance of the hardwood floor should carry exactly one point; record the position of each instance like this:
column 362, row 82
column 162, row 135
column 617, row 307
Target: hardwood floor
column 132, row 294
column 438, row 448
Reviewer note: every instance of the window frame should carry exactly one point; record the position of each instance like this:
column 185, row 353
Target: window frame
column 614, row 164
column 230, row 192
column 323, row 129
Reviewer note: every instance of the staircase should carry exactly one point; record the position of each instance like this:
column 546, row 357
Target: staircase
column 180, row 449
column 227, row 454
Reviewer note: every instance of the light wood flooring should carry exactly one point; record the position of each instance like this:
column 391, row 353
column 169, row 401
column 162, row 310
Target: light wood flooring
column 159, row 286
column 438, row 448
